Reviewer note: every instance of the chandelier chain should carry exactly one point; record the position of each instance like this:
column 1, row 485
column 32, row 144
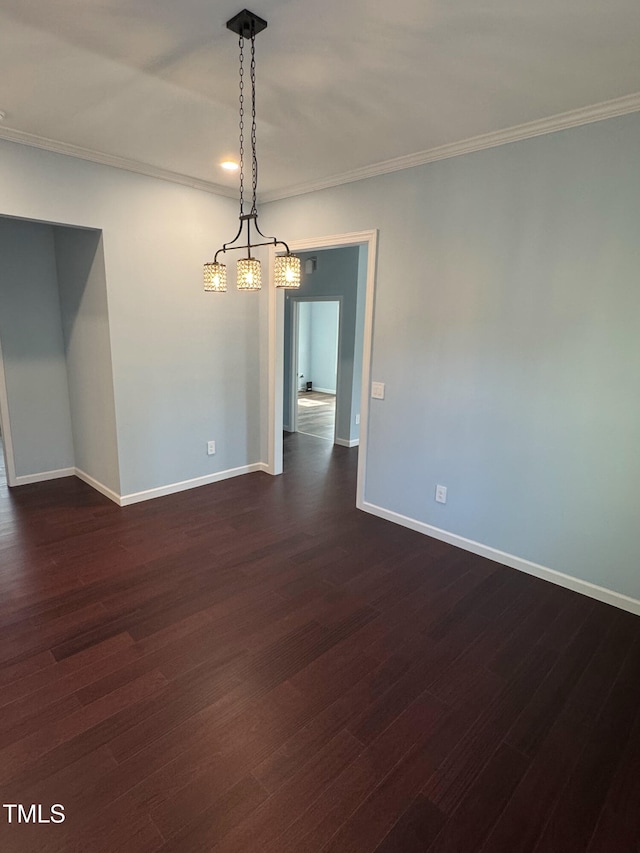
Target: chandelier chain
column 254, row 156
column 287, row 266
column 241, row 45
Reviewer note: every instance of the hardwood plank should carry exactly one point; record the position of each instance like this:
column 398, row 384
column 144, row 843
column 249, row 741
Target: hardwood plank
column 219, row 819
column 448, row 786
column 527, row 812
column 618, row 826
column 415, row 830
column 576, row 812
column 478, row 811
column 426, row 723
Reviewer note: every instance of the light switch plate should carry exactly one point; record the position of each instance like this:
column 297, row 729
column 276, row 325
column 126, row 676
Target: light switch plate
column 377, row 390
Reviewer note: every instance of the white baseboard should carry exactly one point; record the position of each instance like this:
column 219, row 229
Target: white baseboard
column 609, row 596
column 25, row 479
column 343, row 442
column 324, row 390
column 137, row 497
column 172, row 488
column 97, row 485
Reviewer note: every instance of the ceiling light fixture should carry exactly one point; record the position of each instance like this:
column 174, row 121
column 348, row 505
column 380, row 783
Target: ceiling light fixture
column 229, row 165
column 287, row 267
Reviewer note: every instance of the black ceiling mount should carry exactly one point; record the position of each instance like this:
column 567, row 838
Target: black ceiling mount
column 246, row 24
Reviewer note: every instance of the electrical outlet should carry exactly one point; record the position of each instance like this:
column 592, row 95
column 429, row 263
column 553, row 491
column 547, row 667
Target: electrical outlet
column 377, row 390
column 441, row 494
column 211, row 448
column 357, row 419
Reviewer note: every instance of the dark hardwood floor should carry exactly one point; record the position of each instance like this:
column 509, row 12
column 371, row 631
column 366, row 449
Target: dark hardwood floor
column 257, row 666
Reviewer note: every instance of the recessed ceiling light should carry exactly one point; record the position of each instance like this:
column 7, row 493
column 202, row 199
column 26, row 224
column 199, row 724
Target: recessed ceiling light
column 229, row 165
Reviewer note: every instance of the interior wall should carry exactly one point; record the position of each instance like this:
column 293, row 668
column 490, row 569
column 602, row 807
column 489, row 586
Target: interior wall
column 33, row 350
column 506, row 332
column 304, row 345
column 318, row 345
column 85, row 324
column 336, row 276
column 186, row 365
column 324, row 345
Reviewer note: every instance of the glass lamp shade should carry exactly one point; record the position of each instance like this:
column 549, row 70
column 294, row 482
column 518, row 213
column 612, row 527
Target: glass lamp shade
column 249, row 274
column 287, row 271
column 215, row 277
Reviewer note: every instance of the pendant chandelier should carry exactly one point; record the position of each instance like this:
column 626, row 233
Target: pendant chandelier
column 287, row 267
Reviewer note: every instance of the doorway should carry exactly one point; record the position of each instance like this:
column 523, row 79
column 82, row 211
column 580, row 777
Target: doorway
column 314, row 366
column 366, row 242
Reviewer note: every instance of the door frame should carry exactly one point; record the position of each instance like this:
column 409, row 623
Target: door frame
column 369, row 239
column 5, row 422
column 295, row 339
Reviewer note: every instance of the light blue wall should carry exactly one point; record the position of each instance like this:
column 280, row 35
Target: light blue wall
column 324, row 345
column 336, row 276
column 85, row 323
column 186, row 364
column 506, row 331
column 304, row 345
column 33, row 349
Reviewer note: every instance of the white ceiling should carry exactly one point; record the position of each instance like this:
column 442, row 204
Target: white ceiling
column 342, row 84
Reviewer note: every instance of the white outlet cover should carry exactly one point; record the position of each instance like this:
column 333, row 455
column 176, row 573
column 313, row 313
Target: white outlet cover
column 441, row 494
column 377, row 390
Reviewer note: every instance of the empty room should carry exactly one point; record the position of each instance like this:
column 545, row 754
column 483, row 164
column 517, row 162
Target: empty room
column 320, row 426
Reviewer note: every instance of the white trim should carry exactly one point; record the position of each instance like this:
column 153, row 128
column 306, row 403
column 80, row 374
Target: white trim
column 294, row 373
column 562, row 121
column 601, row 593
column 98, row 486
column 552, row 124
column 26, row 479
column 172, row 488
column 113, row 160
column 344, row 442
column 276, row 337
column 137, row 497
column 5, row 425
column 324, row 390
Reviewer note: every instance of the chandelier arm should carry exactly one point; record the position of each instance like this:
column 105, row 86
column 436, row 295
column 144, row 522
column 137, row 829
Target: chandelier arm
column 273, row 241
column 228, row 248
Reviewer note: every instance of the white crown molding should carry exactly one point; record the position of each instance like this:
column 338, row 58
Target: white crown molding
column 563, row 121
column 11, row 135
